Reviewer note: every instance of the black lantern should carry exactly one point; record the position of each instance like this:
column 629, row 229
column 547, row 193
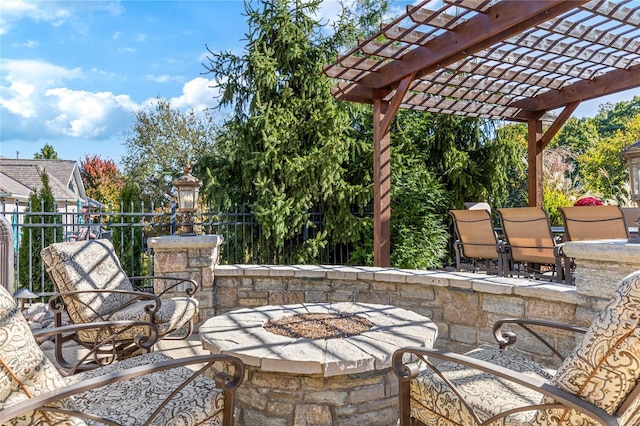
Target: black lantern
column 632, row 154
column 187, row 191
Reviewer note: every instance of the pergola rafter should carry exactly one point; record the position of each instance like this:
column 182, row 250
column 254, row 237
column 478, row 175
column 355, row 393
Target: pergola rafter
column 494, row 59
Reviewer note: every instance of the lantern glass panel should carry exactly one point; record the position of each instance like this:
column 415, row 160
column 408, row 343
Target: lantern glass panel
column 634, row 171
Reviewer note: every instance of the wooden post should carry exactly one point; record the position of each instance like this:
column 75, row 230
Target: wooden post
column 534, row 178
column 381, row 185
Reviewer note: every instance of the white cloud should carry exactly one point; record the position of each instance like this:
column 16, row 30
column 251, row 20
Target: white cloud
column 56, row 13
column 197, row 94
column 164, row 78
column 37, row 102
column 127, row 49
column 28, row 44
column 38, row 73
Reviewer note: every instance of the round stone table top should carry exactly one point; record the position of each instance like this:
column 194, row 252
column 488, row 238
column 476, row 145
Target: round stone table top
column 241, row 333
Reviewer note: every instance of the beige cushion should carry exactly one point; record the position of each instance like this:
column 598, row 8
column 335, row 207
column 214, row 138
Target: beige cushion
column 199, row 403
column 24, row 370
column 605, row 367
column 434, row 403
column 88, row 265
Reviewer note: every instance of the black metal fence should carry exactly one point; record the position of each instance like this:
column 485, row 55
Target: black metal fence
column 129, row 228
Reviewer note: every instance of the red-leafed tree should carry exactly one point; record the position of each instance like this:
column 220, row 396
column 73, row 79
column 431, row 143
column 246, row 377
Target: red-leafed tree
column 102, row 179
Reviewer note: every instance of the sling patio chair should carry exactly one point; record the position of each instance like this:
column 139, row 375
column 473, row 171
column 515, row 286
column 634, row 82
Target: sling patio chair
column 597, row 384
column 148, row 389
column 92, row 286
column 529, row 246
column 585, row 223
column 588, row 223
column 477, row 245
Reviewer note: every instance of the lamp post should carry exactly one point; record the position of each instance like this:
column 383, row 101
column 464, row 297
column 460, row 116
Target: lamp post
column 632, row 154
column 187, row 191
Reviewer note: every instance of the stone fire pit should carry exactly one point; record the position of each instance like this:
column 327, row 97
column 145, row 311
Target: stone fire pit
column 306, row 381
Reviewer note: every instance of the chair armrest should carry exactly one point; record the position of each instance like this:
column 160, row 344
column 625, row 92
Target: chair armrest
column 56, row 302
column 562, row 399
column 227, row 383
column 190, row 291
column 508, row 338
column 113, row 330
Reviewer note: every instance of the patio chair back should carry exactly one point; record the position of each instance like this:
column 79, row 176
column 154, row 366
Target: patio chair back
column 475, row 233
column 83, row 266
column 528, row 234
column 585, row 223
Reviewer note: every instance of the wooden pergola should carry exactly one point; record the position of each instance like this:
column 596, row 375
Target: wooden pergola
column 495, row 59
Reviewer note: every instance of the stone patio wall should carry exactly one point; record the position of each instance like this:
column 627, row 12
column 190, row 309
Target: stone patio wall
column 463, row 305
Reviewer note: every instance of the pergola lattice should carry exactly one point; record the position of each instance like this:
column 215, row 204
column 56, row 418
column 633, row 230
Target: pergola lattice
column 496, row 59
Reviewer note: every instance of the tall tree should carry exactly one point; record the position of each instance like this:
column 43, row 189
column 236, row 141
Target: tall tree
column 162, row 139
column 46, row 153
column 102, row 179
column 42, row 226
column 286, row 150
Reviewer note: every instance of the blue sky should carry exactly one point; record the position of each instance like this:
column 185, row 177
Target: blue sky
column 73, row 73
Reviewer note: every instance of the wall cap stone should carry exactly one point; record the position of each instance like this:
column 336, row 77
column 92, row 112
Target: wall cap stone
column 489, row 284
column 617, row 251
column 176, row 242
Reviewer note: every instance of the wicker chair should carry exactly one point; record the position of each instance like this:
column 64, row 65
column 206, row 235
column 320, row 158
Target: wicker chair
column 477, row 245
column 148, row 389
column 529, row 245
column 597, row 384
column 92, row 286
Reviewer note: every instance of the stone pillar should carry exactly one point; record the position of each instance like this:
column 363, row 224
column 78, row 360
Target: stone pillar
column 193, row 257
column 601, row 264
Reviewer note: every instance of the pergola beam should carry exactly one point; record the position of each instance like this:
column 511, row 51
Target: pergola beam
column 607, row 84
column 483, row 30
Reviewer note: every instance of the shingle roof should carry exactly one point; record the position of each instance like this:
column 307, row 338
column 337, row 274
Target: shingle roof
column 26, row 173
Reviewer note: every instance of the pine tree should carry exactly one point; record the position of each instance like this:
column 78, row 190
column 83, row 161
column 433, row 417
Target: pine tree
column 286, row 151
column 41, row 228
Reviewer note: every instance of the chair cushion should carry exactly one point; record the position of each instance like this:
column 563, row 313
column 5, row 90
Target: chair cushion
column 605, row 367
column 87, row 265
column 173, row 313
column 25, row 372
column 200, row 402
column 433, row 401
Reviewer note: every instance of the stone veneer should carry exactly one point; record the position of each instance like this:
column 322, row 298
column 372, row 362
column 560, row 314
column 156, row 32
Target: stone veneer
column 193, row 257
column 463, row 305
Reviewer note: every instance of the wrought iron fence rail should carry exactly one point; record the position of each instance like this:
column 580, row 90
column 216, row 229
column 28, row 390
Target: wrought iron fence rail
column 129, row 228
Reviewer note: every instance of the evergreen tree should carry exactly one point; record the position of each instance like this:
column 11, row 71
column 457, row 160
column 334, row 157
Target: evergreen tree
column 127, row 237
column 286, row 151
column 42, row 226
column 46, row 153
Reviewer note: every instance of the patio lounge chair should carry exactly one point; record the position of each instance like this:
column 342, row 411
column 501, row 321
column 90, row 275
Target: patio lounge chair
column 585, row 223
column 92, row 286
column 529, row 245
column 597, row 384
column 477, row 242
column 150, row 387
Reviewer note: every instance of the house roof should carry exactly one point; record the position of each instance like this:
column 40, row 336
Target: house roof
column 20, row 177
column 508, row 60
